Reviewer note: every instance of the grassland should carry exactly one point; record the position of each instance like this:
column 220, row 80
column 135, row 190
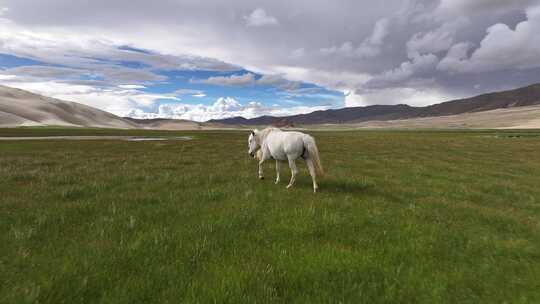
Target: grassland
column 402, row 217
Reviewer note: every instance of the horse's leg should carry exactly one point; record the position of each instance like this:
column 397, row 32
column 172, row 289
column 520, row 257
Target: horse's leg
column 263, row 155
column 312, row 172
column 294, row 171
column 277, row 171
column 261, row 161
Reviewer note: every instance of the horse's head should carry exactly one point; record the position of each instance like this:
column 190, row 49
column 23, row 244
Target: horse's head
column 253, row 143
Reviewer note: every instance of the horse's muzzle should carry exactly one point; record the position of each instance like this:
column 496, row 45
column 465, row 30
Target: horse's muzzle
column 251, row 154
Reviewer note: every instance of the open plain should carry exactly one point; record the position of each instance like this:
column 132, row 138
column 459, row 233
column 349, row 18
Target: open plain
column 402, row 216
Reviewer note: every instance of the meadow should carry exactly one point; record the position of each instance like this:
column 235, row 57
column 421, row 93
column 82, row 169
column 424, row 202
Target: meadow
column 402, row 217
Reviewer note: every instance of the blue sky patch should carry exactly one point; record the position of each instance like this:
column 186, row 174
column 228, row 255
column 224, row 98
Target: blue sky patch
column 168, row 85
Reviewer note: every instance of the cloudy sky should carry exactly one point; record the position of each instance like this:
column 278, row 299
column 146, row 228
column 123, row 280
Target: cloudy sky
column 200, row 60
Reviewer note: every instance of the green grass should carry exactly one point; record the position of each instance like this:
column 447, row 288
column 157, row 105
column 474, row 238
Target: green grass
column 402, row 217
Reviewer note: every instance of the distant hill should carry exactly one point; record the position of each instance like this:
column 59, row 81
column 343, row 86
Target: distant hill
column 527, row 117
column 526, row 96
column 22, row 108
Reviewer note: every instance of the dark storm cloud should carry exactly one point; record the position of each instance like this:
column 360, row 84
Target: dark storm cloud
column 373, row 50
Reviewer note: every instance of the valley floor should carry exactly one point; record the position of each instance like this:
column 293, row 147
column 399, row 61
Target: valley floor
column 402, row 217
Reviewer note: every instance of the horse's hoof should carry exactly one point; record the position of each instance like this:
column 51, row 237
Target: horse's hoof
column 276, row 182
column 288, row 186
column 261, row 177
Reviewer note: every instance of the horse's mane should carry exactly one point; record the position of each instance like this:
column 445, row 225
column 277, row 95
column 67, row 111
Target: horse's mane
column 263, row 133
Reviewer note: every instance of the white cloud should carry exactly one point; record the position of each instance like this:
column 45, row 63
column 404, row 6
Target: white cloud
column 82, row 50
column 338, row 80
column 248, row 79
column 502, row 48
column 345, row 49
column 398, row 95
column 129, row 101
column 259, row 17
column 380, row 32
column 233, row 80
column 44, row 71
column 453, row 8
column 418, row 65
column 194, row 93
column 278, row 81
column 116, row 100
column 440, row 39
column 78, row 55
column 299, row 52
column 370, row 47
column 455, row 58
column 302, row 92
column 8, row 77
column 365, row 40
column 224, row 107
column 131, row 86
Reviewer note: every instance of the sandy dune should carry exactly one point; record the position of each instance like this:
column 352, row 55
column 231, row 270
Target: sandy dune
column 22, row 108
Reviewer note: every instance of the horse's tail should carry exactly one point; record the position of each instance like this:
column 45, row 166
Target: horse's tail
column 313, row 154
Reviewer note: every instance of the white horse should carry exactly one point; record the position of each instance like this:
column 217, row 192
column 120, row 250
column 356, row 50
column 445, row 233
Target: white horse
column 286, row 146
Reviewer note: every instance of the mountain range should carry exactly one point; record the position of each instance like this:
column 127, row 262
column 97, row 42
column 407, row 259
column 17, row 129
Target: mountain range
column 513, row 108
column 526, row 96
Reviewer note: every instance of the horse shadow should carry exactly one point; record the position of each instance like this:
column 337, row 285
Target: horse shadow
column 357, row 188
column 347, row 187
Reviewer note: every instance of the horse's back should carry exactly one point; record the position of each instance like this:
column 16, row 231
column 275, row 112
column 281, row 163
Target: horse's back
column 283, row 145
